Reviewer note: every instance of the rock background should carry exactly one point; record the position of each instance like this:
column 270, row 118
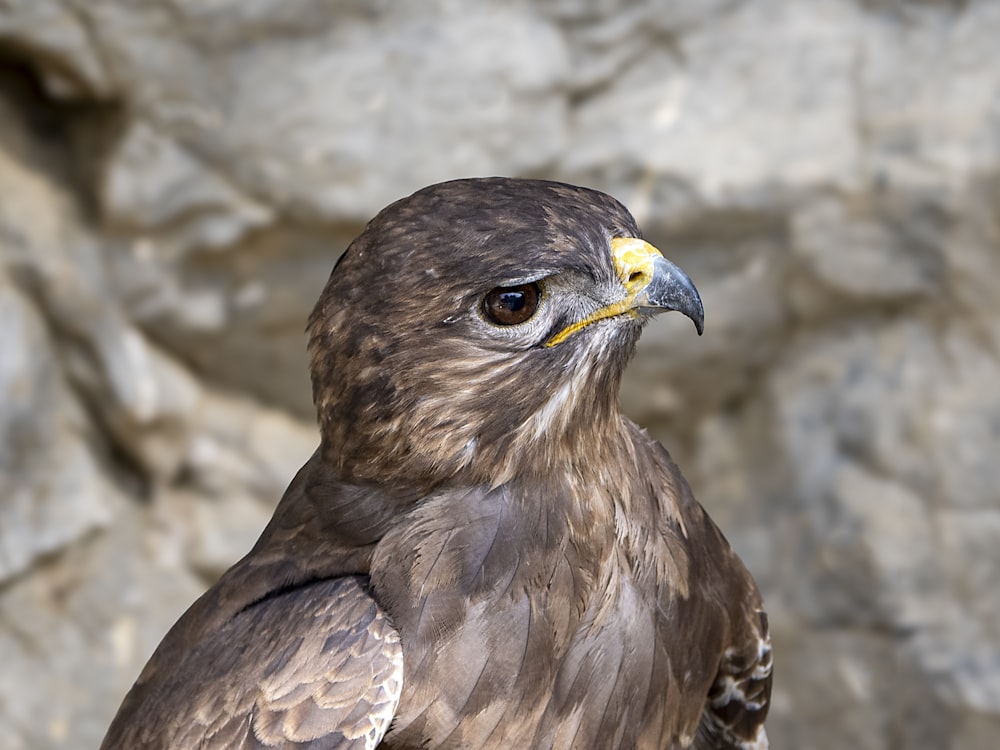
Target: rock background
column 177, row 178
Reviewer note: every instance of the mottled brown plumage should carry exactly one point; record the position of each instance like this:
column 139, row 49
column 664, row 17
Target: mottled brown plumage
column 482, row 553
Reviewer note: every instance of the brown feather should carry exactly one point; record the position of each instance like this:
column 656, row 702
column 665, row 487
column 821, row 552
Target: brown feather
column 481, row 534
column 312, row 664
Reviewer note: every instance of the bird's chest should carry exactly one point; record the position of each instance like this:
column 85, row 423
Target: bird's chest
column 545, row 668
column 521, row 628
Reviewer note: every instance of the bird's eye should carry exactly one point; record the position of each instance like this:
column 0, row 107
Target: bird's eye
column 510, row 305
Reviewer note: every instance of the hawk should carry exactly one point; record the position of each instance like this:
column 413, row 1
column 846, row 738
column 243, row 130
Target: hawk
column 482, row 552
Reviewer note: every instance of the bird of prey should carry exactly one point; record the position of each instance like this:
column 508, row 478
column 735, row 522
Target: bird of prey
column 482, row 552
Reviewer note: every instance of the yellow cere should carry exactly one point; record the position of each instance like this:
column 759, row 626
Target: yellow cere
column 633, row 259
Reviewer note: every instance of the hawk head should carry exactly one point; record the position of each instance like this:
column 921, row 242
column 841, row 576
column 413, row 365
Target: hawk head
column 479, row 329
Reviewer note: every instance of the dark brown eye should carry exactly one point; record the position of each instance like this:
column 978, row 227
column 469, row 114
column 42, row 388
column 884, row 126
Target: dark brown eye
column 510, row 305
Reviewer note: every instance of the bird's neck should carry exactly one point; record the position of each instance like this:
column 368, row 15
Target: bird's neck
column 456, row 439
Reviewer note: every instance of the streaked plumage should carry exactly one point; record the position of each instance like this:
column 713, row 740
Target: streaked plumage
column 482, row 553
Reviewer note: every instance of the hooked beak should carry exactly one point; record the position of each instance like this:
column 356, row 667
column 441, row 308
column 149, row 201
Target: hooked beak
column 655, row 284
column 652, row 283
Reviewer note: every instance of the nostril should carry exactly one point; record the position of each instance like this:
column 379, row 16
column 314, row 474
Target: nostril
column 636, row 276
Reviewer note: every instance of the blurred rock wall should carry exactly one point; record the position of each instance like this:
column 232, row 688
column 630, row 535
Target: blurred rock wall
column 177, row 178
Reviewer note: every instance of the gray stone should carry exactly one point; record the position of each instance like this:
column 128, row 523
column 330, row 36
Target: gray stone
column 315, row 145
column 861, row 252
column 240, row 445
column 52, row 488
column 76, row 631
column 140, row 394
column 58, row 41
column 831, row 679
column 719, row 115
column 180, row 176
column 237, row 318
column 151, row 183
column 929, row 124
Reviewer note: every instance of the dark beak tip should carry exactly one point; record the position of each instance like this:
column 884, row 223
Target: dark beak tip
column 699, row 318
column 672, row 289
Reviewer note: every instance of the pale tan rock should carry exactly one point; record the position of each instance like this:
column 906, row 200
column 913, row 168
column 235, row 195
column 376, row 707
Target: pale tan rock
column 179, row 178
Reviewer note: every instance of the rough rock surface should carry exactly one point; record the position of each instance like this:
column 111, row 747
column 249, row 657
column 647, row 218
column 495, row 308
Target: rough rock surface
column 177, row 178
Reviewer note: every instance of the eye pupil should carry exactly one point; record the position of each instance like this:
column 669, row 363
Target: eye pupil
column 512, row 301
column 510, row 305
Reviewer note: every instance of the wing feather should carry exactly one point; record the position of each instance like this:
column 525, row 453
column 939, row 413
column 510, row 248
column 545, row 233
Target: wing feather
column 738, row 701
column 316, row 666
